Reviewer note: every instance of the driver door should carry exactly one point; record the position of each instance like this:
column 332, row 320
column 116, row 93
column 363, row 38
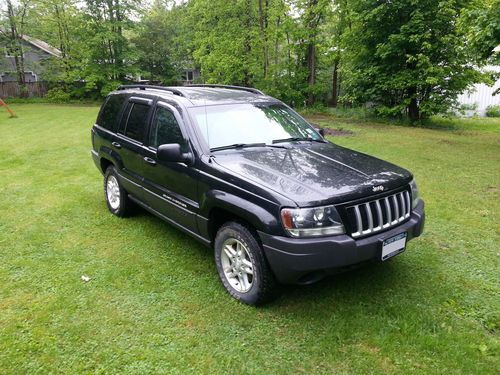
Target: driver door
column 170, row 187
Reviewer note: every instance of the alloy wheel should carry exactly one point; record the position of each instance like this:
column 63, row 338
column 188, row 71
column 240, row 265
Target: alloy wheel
column 237, row 265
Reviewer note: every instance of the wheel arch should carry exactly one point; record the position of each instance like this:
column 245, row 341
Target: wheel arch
column 221, row 207
column 109, row 157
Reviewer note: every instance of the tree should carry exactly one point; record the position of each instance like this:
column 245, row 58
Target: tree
column 312, row 17
column 106, row 20
column 402, row 57
column 14, row 35
column 57, row 22
column 481, row 24
column 223, row 40
column 406, row 57
column 157, row 42
column 337, row 24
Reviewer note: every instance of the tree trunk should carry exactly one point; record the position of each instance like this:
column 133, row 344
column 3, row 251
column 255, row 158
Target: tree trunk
column 414, row 110
column 335, row 78
column 311, row 68
column 313, row 17
column 18, row 49
column 277, row 43
column 263, row 23
column 247, row 78
column 60, row 31
column 119, row 45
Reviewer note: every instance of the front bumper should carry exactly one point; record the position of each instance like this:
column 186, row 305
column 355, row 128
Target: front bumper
column 307, row 260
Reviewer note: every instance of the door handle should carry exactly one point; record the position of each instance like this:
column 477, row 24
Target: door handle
column 117, row 145
column 149, row 161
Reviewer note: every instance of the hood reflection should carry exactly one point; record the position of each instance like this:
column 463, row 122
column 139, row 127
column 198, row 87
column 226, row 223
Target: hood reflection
column 310, row 173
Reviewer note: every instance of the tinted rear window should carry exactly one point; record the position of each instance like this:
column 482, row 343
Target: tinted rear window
column 109, row 113
column 136, row 123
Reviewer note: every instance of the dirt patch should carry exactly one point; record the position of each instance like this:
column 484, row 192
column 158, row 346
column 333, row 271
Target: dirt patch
column 338, row 132
column 335, row 132
column 446, row 142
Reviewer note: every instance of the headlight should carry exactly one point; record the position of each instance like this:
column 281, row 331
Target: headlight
column 414, row 194
column 310, row 222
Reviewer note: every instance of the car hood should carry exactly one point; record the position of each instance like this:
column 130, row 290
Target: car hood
column 311, row 174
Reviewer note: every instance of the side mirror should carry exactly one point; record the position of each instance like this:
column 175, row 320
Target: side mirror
column 321, row 131
column 171, row 152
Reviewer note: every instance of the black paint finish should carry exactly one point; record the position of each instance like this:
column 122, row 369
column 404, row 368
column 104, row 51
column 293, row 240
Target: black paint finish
column 251, row 184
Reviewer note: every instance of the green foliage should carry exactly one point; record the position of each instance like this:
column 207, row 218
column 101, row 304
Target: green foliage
column 400, row 57
column 406, row 57
column 493, row 111
column 481, row 24
column 222, row 40
column 58, row 95
column 92, row 37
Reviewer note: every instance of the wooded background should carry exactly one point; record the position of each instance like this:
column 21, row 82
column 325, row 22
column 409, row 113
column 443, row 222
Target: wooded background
column 399, row 57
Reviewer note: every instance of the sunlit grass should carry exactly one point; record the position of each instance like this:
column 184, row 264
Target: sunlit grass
column 154, row 303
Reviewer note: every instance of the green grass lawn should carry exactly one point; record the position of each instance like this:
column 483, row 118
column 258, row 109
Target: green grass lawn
column 155, row 305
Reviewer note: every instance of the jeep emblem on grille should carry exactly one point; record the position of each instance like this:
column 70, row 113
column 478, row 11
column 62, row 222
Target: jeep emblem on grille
column 378, row 188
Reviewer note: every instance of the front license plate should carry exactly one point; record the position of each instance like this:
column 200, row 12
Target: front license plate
column 393, row 245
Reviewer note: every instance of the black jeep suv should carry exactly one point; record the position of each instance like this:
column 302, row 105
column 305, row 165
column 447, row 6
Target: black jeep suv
column 242, row 172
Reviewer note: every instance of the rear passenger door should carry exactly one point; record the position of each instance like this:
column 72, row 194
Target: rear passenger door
column 171, row 187
column 129, row 143
column 104, row 130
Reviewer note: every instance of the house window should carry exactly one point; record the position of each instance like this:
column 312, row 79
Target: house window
column 13, row 77
column 189, row 75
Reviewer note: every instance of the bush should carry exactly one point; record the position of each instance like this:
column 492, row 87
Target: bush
column 493, row 111
column 57, row 95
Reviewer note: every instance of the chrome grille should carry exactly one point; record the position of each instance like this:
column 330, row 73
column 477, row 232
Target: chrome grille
column 379, row 214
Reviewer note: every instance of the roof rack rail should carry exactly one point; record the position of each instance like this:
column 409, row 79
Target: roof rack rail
column 249, row 89
column 151, row 87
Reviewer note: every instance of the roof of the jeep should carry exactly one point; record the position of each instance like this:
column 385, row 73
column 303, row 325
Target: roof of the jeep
column 193, row 96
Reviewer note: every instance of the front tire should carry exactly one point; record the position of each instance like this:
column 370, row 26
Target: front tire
column 116, row 197
column 241, row 264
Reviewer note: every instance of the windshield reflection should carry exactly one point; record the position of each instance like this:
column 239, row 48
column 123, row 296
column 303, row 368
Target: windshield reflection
column 223, row 125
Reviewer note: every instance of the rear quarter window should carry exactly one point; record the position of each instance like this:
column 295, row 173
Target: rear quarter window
column 110, row 111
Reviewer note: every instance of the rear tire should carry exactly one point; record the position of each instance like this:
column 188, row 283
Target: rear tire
column 116, row 197
column 241, row 264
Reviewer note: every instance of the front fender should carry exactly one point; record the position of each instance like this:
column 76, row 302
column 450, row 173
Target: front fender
column 260, row 218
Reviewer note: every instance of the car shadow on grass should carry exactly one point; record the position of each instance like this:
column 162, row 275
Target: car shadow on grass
column 371, row 283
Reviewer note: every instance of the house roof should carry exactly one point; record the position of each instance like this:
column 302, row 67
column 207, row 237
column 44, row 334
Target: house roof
column 42, row 45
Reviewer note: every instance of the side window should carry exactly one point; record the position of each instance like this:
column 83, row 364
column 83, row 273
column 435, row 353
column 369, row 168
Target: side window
column 165, row 129
column 123, row 122
column 136, row 123
column 110, row 111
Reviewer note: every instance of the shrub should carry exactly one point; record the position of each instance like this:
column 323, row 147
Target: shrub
column 493, row 111
column 58, row 95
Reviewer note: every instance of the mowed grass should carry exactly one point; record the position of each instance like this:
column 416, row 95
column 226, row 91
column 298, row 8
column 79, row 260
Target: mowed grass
column 154, row 303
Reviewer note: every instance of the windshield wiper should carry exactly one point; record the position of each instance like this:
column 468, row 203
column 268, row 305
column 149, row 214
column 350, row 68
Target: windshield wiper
column 296, row 139
column 244, row 145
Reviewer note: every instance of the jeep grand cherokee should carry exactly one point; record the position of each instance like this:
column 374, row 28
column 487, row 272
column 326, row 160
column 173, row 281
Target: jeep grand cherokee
column 245, row 174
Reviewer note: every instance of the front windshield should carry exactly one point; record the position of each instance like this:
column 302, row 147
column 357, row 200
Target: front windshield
column 224, row 125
